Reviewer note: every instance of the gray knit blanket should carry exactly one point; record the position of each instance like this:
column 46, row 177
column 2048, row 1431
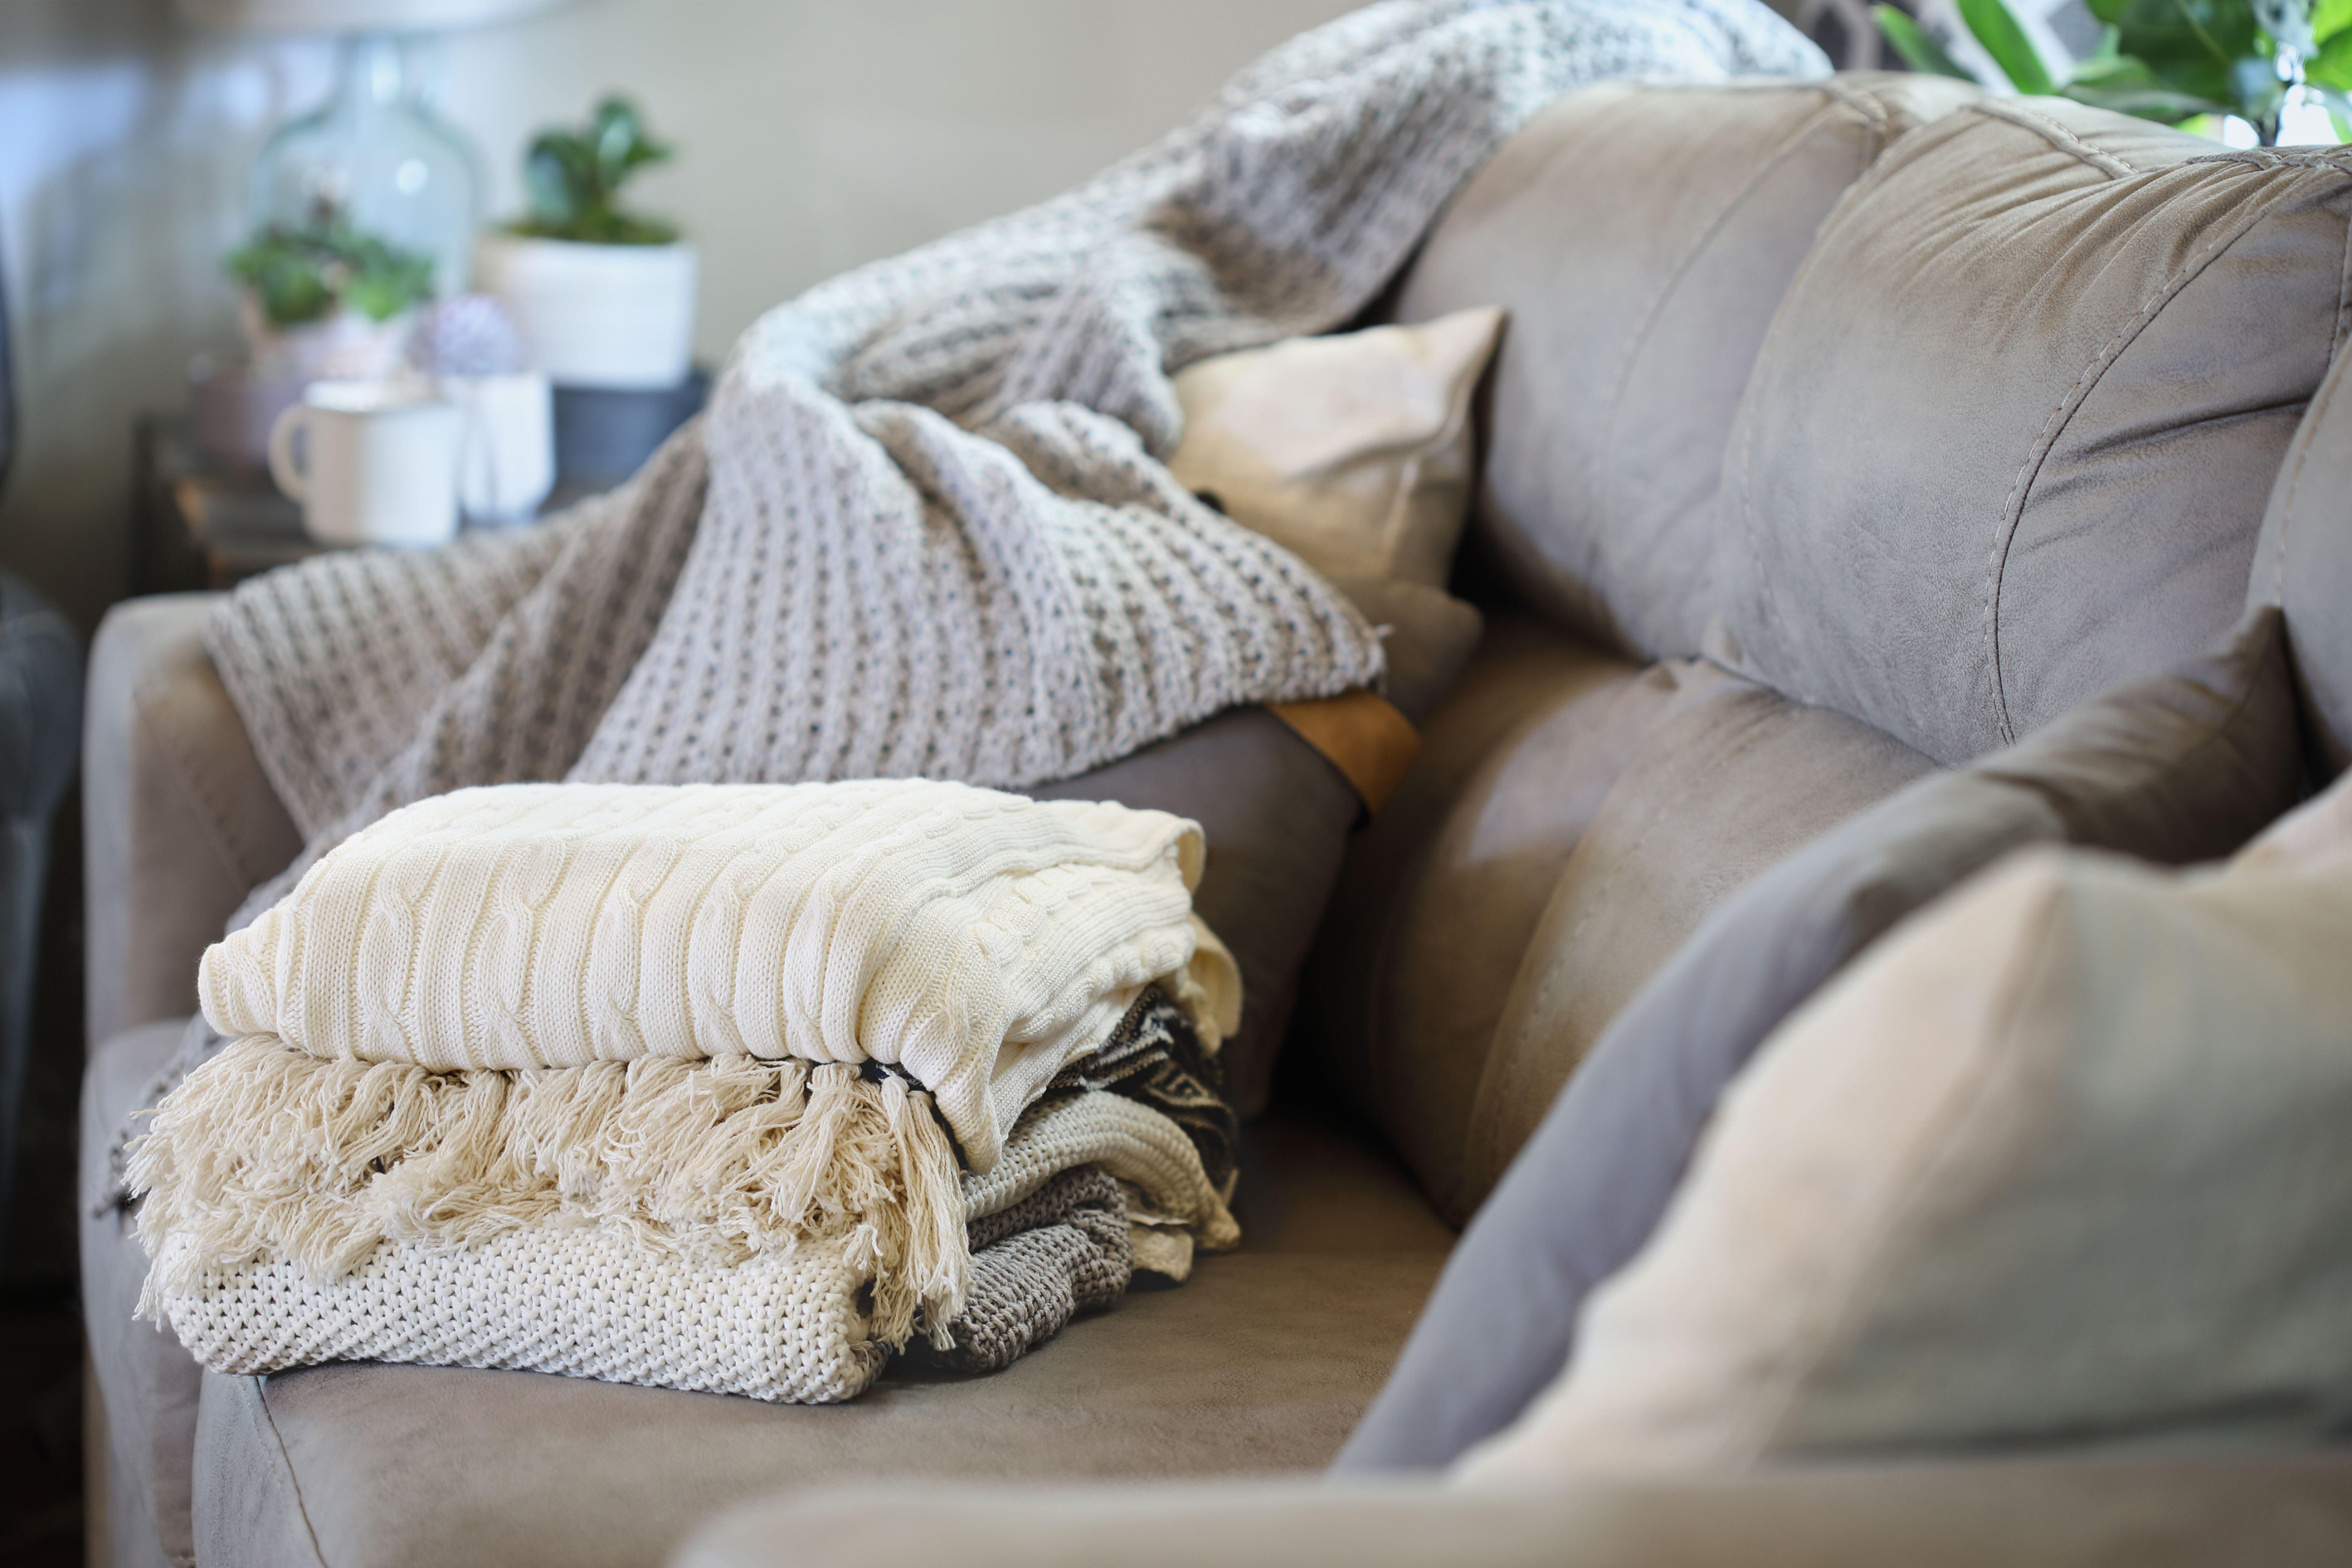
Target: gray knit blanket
column 923, row 529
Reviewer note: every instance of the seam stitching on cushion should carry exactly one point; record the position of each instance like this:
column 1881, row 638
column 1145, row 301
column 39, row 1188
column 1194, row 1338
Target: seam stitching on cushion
column 2273, row 158
column 2012, row 510
column 2062, row 139
column 285, row 1469
column 1967, row 1101
column 2149, row 784
column 1669, row 284
column 1867, row 105
column 1874, row 175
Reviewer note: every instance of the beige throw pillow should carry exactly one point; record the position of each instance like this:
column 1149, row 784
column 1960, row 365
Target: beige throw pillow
column 1354, row 452
column 2063, row 1160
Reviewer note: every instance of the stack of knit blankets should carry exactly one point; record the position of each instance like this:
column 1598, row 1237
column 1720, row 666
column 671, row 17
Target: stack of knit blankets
column 733, row 1087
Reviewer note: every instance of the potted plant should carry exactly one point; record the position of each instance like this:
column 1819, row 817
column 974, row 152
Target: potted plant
column 326, row 300
column 2193, row 63
column 602, row 297
column 323, row 300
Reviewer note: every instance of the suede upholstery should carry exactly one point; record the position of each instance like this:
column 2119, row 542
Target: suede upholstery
column 2011, row 435
column 1442, row 891
column 178, row 821
column 1679, row 212
column 1731, row 777
column 148, row 1381
column 2302, row 562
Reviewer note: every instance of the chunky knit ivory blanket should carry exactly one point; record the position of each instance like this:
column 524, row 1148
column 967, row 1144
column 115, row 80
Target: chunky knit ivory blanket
column 923, row 529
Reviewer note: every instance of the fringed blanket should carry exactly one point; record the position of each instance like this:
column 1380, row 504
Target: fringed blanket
column 557, row 1045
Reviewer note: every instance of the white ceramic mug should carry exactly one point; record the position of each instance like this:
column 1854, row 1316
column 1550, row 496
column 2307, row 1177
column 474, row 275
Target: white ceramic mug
column 373, row 462
column 506, row 458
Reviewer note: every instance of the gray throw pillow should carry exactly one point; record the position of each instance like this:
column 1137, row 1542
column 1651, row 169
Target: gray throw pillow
column 2176, row 768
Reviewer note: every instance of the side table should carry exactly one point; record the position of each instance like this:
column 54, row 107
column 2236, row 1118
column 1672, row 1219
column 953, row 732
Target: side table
column 198, row 524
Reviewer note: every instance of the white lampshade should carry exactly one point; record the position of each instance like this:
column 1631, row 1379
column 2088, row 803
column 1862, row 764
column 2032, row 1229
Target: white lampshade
column 353, row 16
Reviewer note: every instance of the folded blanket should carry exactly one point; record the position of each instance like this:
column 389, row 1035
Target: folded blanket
column 801, row 1323
column 818, row 996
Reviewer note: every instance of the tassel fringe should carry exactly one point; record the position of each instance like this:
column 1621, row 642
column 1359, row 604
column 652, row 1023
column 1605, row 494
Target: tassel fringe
column 267, row 1152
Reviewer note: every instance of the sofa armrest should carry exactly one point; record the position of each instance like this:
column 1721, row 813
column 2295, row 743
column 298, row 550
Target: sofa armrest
column 2284, row 1510
column 179, row 822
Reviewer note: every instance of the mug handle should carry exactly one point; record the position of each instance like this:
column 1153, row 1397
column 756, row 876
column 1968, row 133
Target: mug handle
column 292, row 480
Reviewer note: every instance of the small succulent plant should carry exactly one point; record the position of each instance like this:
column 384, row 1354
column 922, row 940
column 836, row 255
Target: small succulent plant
column 573, row 180
column 304, row 274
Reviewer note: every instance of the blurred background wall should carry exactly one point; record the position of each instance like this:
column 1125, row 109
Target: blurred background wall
column 813, row 134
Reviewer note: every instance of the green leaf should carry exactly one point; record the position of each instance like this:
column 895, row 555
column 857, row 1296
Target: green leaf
column 2192, row 47
column 1997, row 30
column 1919, row 49
column 2332, row 66
column 2328, row 18
column 572, row 179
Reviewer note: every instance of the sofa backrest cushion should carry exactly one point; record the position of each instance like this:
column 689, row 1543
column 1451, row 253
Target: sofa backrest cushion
column 2179, row 768
column 1640, row 236
column 2302, row 563
column 2010, row 438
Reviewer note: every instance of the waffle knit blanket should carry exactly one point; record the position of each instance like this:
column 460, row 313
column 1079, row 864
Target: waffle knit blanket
column 923, row 529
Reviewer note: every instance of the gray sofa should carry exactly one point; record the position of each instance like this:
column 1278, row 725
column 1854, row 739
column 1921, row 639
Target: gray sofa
column 1842, row 432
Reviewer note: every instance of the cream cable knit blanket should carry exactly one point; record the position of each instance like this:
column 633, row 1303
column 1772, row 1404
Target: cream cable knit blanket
column 923, row 529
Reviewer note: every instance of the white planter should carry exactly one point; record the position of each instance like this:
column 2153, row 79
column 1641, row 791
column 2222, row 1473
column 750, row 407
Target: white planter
column 616, row 316
column 345, row 346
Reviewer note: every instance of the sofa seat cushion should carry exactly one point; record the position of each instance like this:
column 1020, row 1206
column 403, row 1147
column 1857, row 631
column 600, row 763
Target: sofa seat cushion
column 1261, row 1362
column 146, row 1382
column 1440, row 894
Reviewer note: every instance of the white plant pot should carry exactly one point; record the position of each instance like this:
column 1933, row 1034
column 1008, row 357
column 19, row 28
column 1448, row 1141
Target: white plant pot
column 615, row 315
column 343, row 346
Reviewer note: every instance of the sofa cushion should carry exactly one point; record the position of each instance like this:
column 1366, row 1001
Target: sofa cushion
column 1730, row 778
column 146, row 1382
column 2178, row 768
column 1440, row 894
column 2009, row 440
column 1640, row 236
column 2302, row 562
column 1261, row 1362
column 2060, row 1162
